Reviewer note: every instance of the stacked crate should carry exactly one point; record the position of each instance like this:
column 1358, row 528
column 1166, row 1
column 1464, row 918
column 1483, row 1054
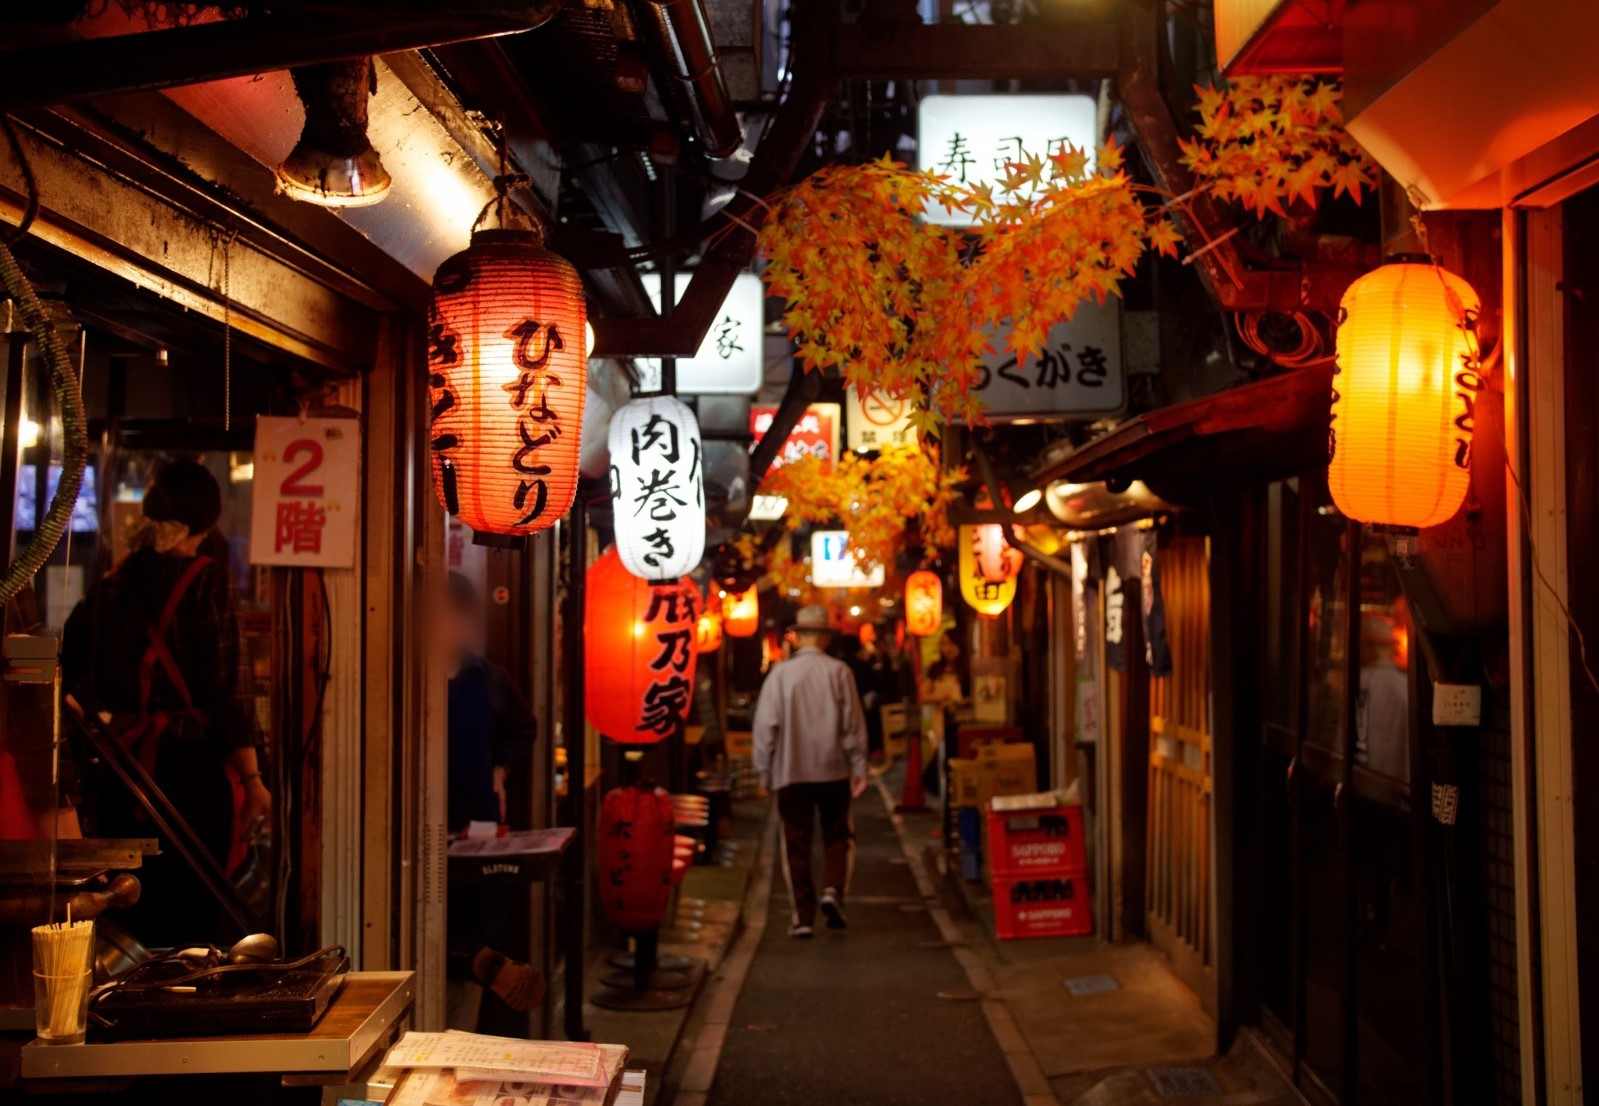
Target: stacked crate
column 1039, row 866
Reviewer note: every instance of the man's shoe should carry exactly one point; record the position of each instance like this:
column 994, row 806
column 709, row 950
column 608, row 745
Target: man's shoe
column 801, row 932
column 833, row 910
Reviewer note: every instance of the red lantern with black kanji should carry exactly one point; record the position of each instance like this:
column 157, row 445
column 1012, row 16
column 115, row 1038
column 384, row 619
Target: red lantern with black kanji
column 507, row 373
column 997, row 559
column 636, row 854
column 924, row 603
column 638, row 646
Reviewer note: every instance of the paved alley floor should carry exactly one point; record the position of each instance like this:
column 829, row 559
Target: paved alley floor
column 881, row 1014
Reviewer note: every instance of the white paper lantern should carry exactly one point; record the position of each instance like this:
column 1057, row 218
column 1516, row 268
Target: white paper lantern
column 657, row 488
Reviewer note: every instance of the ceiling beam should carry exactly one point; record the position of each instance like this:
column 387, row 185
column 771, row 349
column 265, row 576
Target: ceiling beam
column 1038, row 50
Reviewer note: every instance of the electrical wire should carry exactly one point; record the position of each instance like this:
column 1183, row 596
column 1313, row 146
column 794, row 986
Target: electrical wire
column 30, row 183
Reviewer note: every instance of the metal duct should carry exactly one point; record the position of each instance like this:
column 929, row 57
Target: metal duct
column 684, row 32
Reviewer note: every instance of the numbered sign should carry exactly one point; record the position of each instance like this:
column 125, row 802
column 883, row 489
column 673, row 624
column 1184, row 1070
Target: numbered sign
column 307, row 487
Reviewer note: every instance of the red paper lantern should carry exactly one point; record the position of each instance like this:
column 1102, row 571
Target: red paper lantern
column 636, row 854
column 507, row 373
column 638, row 644
column 997, row 559
column 741, row 613
column 924, row 603
column 708, row 631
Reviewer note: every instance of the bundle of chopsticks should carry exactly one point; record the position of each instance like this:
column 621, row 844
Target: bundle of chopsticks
column 61, row 953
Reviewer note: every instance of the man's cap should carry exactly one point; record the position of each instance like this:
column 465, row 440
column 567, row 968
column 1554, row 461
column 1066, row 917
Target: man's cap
column 813, row 617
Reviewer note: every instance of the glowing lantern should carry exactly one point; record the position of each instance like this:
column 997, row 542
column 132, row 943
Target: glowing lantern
column 924, row 603
column 657, row 488
column 989, row 597
column 638, row 645
column 741, row 614
column 637, row 848
column 997, row 559
column 1404, row 396
column 507, row 371
column 708, row 631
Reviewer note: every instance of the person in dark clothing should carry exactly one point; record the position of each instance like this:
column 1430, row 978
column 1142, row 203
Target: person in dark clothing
column 155, row 649
column 491, row 735
column 872, row 678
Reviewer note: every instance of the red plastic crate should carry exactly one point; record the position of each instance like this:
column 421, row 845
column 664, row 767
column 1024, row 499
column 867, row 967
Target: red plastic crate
column 1042, row 906
column 1024, row 843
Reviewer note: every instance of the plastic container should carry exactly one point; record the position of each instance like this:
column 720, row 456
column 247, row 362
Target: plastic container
column 1042, row 906
column 1026, row 843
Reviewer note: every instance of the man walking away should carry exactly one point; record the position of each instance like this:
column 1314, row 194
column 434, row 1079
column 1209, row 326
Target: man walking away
column 810, row 748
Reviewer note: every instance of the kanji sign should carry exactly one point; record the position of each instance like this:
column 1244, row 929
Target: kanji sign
column 971, row 138
column 307, row 485
column 1078, row 376
column 731, row 360
column 834, row 565
column 657, row 488
column 877, row 421
column 816, row 435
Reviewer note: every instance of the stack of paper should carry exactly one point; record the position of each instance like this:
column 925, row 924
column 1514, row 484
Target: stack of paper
column 468, row 1069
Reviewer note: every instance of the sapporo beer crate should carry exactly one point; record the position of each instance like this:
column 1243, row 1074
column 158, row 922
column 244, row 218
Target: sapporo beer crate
column 1035, row 841
column 1042, row 906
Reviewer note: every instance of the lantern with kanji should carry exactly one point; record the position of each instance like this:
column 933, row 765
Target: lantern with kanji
column 924, row 603
column 638, row 646
column 636, row 853
column 507, row 371
column 741, row 613
column 1404, row 395
column 657, row 488
column 997, row 559
column 987, row 597
column 708, row 631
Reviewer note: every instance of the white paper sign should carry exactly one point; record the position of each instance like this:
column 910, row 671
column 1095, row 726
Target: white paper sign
column 731, row 360
column 1078, row 375
column 306, row 492
column 971, row 138
column 877, row 421
column 833, row 563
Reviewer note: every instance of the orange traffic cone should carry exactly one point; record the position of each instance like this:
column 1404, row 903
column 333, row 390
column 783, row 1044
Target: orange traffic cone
column 913, row 798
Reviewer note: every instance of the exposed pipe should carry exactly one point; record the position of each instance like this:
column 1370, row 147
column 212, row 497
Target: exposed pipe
column 683, row 30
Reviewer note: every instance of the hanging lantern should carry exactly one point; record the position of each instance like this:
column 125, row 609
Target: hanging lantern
column 1404, row 395
column 507, row 371
column 997, row 559
column 636, row 852
column 741, row 613
column 638, row 645
column 657, row 488
column 708, row 631
column 989, row 597
column 924, row 603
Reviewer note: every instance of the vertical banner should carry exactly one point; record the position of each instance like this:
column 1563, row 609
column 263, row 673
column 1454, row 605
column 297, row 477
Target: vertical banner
column 307, row 485
column 1080, row 601
column 1115, row 605
column 1157, row 650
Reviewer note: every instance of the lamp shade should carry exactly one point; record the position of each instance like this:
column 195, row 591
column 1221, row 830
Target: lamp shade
column 987, row 597
column 657, row 488
column 924, row 603
column 741, row 613
column 507, row 372
column 636, row 850
column 708, row 631
column 638, row 647
column 997, row 559
column 1404, row 396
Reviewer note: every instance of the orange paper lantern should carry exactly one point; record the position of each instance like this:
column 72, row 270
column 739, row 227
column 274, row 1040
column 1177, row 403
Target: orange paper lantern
column 708, row 631
column 924, row 603
column 507, row 372
column 1404, row 396
column 997, row 559
column 638, row 646
column 986, row 597
column 637, row 848
column 741, row 614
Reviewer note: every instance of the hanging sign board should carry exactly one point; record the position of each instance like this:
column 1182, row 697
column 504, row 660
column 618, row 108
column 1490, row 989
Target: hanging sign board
column 731, row 359
column 833, row 563
column 816, row 434
column 971, row 138
column 1079, row 375
column 306, row 490
column 877, row 421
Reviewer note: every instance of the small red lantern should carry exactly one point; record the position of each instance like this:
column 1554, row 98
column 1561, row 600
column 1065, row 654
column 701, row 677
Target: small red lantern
column 741, row 614
column 636, row 854
column 638, row 645
column 997, row 559
column 708, row 631
column 507, row 373
column 924, row 603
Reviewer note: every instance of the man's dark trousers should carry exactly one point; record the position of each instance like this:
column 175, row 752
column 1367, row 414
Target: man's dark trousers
column 798, row 805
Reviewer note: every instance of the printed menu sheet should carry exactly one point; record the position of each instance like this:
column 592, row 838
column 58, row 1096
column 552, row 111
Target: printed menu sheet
column 501, row 1057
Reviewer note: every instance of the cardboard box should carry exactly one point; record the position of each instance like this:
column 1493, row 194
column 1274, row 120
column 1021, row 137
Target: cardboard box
column 1005, row 770
column 740, row 743
column 965, row 789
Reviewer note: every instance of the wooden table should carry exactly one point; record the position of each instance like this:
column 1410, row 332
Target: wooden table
column 358, row 1023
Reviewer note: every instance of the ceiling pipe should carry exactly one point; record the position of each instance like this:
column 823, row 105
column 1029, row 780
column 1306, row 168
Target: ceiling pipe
column 683, row 31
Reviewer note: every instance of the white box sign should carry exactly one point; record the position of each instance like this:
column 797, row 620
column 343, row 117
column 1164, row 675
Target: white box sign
column 877, row 421
column 306, row 492
column 833, row 563
column 1079, row 374
column 731, row 360
column 970, row 139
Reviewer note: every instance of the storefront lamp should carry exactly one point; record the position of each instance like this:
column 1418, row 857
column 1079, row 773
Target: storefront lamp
column 507, row 370
column 708, row 631
column 657, row 488
column 638, row 648
column 997, row 559
column 1404, row 395
column 741, row 613
column 986, row 597
column 924, row 603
